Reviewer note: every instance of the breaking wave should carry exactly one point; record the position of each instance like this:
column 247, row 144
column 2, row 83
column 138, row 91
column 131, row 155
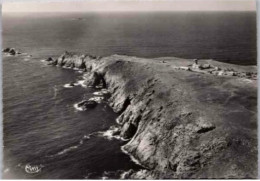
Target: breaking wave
column 131, row 157
column 81, row 83
column 76, row 146
column 112, row 133
column 68, row 86
column 78, row 108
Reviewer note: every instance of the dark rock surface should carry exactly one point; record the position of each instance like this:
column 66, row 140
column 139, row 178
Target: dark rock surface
column 72, row 84
column 6, row 50
column 128, row 130
column 50, row 59
column 95, row 79
column 87, row 104
column 11, row 51
column 181, row 124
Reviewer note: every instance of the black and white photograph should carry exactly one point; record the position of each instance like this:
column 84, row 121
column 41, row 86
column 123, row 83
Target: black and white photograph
column 129, row 89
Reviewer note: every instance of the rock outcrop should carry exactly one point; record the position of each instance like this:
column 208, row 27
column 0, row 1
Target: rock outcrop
column 86, row 104
column 11, row 51
column 179, row 123
column 71, row 60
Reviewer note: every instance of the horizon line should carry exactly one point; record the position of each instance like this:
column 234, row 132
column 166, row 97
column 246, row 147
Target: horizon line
column 129, row 11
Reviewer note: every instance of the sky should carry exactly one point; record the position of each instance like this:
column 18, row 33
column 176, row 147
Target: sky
column 126, row 5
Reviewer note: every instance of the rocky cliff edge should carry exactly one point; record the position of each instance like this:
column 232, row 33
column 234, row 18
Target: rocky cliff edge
column 181, row 119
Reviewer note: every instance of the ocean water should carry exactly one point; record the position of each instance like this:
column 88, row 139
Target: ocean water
column 224, row 36
column 43, row 130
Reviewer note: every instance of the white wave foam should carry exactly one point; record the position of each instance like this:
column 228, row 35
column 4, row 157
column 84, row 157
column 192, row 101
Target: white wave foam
column 71, row 148
column 78, row 108
column 102, row 92
column 105, row 175
column 112, row 133
column 140, row 174
column 81, row 83
column 68, row 86
column 125, row 173
column 19, row 165
column 55, row 91
column 67, row 150
column 131, row 157
column 87, row 136
column 246, row 80
column 97, row 99
column 98, row 93
column 8, row 55
column 67, row 67
column 6, row 170
column 104, row 178
column 99, row 86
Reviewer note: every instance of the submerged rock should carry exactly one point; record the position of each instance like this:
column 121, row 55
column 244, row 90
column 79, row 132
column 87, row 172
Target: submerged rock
column 50, row 59
column 72, row 84
column 87, row 104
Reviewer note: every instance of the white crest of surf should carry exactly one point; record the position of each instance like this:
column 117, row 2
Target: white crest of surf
column 125, row 173
column 81, row 83
column 102, row 92
column 67, row 86
column 131, row 156
column 67, row 150
column 97, row 93
column 71, row 148
column 81, row 108
column 77, row 107
column 139, row 174
column 8, row 55
column 97, row 99
column 6, row 170
column 246, row 80
column 66, row 67
column 110, row 134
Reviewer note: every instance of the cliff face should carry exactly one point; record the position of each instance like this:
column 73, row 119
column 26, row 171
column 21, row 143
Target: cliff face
column 180, row 122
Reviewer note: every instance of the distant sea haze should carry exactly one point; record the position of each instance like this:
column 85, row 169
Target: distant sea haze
column 224, row 36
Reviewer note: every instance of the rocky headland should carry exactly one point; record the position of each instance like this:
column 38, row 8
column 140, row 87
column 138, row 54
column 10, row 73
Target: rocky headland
column 181, row 118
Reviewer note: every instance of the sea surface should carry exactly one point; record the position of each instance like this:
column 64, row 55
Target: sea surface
column 43, row 132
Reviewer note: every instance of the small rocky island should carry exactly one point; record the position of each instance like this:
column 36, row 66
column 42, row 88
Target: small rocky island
column 11, row 51
column 182, row 118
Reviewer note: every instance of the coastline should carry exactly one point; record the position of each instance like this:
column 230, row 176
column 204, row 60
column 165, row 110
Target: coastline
column 182, row 122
